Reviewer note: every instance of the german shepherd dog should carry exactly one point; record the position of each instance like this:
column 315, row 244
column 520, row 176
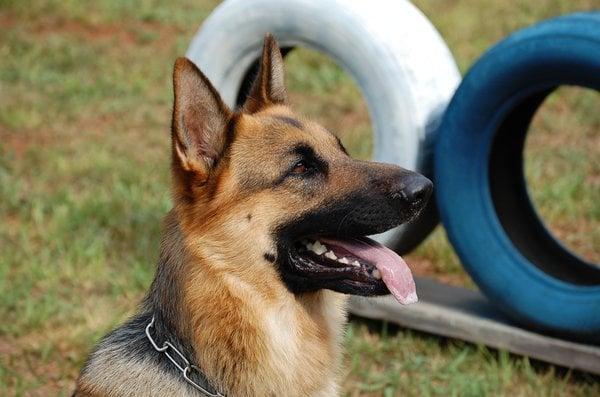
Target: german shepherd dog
column 265, row 238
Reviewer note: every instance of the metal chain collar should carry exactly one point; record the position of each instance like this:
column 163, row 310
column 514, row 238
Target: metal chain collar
column 185, row 369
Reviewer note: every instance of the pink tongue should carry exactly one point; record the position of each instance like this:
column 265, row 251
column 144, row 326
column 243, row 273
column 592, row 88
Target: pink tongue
column 395, row 273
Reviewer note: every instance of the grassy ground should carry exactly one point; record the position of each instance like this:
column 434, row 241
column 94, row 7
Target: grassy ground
column 85, row 102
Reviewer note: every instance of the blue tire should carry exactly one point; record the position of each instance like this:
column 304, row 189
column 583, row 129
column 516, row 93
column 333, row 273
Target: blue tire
column 481, row 189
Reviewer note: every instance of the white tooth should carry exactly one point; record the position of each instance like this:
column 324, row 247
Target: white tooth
column 345, row 261
column 355, row 263
column 330, row 255
column 320, row 251
column 319, row 248
column 376, row 274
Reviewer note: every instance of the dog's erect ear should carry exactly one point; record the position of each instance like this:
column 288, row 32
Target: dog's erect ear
column 199, row 120
column 268, row 88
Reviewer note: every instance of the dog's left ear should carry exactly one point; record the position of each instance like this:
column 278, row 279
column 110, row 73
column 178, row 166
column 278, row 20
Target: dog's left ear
column 268, row 88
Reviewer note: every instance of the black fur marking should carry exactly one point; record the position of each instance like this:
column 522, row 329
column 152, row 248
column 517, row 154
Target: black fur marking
column 130, row 339
column 249, row 217
column 342, row 148
column 307, row 153
column 230, row 129
column 304, row 152
column 365, row 211
column 289, row 120
column 229, row 138
column 269, row 257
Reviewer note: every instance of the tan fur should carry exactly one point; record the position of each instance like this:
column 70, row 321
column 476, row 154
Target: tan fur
column 253, row 337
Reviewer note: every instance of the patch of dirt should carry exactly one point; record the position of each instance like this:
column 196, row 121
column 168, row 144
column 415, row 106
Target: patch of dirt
column 127, row 35
column 7, row 348
column 7, row 21
column 85, row 31
column 18, row 144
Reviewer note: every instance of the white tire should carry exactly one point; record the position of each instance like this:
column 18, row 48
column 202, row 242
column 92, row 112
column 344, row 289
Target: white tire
column 401, row 64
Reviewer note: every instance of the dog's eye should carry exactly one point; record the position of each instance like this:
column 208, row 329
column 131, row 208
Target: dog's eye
column 300, row 168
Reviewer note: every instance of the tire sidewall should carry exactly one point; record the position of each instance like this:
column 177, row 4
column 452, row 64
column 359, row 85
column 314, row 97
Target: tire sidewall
column 557, row 52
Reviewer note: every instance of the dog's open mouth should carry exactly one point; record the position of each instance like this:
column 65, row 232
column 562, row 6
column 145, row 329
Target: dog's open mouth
column 361, row 262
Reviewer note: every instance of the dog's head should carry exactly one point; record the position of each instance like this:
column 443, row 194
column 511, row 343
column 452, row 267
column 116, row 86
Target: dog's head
column 277, row 191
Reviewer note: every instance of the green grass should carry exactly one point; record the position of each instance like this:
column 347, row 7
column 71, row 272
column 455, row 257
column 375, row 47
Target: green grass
column 85, row 97
column 386, row 361
column 563, row 170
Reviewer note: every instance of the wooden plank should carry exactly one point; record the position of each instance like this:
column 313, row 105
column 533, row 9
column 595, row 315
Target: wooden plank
column 465, row 314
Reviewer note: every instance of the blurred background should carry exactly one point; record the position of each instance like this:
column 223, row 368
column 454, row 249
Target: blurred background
column 85, row 102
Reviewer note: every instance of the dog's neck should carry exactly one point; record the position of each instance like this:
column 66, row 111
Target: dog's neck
column 165, row 299
column 245, row 326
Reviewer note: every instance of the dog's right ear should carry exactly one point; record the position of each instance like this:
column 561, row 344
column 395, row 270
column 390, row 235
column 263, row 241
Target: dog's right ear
column 200, row 119
column 269, row 87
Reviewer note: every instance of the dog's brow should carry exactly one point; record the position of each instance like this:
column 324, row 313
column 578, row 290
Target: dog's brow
column 303, row 149
column 289, row 120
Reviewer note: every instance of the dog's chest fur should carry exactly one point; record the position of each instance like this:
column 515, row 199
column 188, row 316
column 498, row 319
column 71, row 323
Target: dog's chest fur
column 306, row 346
column 286, row 344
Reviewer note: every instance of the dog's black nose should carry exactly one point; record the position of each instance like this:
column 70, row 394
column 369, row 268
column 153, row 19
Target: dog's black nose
column 413, row 189
column 417, row 189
